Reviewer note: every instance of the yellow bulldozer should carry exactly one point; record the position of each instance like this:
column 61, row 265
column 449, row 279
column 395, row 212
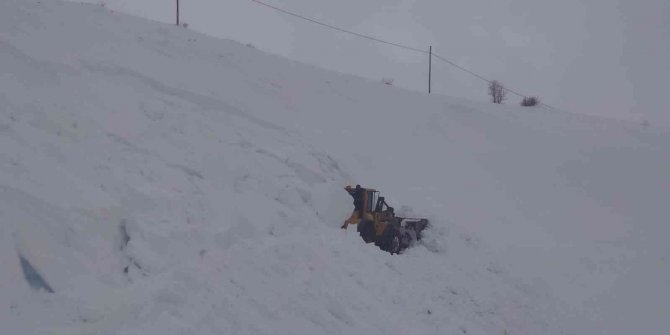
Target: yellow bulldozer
column 377, row 222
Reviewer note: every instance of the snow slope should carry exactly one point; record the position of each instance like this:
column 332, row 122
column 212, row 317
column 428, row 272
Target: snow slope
column 164, row 182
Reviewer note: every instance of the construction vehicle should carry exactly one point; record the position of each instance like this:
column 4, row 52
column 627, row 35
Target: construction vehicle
column 377, row 222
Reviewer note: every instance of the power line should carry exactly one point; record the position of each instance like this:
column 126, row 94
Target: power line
column 389, row 43
column 460, row 67
column 340, row 29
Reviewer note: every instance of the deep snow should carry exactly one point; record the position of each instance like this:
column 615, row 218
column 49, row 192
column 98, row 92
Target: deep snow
column 165, row 182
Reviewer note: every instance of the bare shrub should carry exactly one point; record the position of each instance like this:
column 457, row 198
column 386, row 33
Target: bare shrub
column 530, row 101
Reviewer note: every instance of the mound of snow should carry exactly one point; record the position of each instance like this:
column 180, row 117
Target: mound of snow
column 159, row 181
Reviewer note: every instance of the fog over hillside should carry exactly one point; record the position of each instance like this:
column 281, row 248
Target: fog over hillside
column 596, row 57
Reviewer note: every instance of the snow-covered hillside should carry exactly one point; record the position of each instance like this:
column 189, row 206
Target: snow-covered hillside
column 160, row 181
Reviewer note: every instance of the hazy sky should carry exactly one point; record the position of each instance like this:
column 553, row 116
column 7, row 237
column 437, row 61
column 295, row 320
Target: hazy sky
column 603, row 57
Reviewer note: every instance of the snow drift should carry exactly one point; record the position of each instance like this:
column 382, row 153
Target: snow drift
column 159, row 181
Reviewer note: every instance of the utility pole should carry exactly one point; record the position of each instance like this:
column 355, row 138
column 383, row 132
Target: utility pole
column 177, row 12
column 430, row 65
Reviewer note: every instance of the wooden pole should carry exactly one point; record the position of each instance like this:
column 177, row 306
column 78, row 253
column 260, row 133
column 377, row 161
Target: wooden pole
column 430, row 65
column 177, row 12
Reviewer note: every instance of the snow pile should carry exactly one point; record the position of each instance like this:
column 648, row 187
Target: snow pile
column 162, row 182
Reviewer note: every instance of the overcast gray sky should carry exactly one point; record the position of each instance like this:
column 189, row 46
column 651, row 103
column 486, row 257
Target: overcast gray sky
column 602, row 57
